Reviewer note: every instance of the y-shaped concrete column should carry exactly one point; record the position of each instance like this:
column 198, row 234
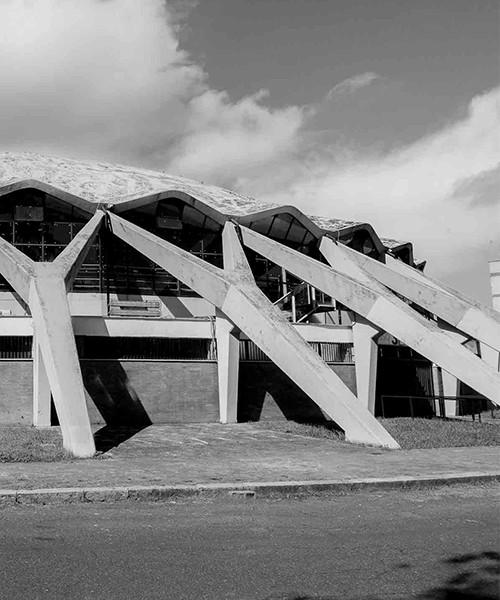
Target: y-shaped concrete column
column 469, row 316
column 366, row 297
column 44, row 287
column 365, row 336
column 228, row 358
column 228, row 366
column 236, row 294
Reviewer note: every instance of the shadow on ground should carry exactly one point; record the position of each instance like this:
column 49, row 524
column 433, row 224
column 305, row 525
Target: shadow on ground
column 112, row 436
column 476, row 577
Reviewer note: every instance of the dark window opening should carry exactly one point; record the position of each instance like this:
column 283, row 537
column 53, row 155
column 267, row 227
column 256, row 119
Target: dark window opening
column 176, row 222
column 362, row 242
column 136, row 348
column 286, row 229
column 111, row 266
column 404, row 255
column 15, row 347
column 38, row 225
column 405, row 384
column 330, row 352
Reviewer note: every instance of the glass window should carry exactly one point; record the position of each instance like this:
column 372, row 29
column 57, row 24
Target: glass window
column 57, row 233
column 212, row 225
column 29, row 213
column 262, row 226
column 6, row 231
column 281, row 225
column 52, row 252
column 5, row 212
column 169, row 214
column 194, row 217
column 92, row 255
column 32, row 251
column 27, row 233
column 297, row 233
column 309, row 238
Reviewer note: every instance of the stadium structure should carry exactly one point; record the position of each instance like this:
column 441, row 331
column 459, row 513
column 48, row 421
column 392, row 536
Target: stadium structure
column 130, row 297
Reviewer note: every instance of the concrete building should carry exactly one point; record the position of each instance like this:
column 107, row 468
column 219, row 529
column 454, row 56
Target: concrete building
column 129, row 297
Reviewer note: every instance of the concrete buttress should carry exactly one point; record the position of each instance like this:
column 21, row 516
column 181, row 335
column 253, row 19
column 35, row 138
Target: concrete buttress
column 235, row 293
column 366, row 297
column 43, row 286
column 478, row 321
column 54, row 333
column 366, row 358
column 228, row 364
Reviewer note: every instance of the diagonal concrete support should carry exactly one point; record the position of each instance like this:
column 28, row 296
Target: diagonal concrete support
column 365, row 359
column 71, row 258
column 54, row 332
column 478, row 321
column 17, row 268
column 228, row 358
column 264, row 323
column 235, row 293
column 377, row 304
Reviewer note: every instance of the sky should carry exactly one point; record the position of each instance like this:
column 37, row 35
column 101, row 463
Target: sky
column 381, row 111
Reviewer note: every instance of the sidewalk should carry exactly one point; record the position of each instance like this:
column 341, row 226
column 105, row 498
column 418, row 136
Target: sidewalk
column 225, row 458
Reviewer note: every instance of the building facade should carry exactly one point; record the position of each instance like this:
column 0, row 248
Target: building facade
column 129, row 297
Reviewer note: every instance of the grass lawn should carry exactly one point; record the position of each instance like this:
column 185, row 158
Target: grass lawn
column 409, row 433
column 441, row 433
column 19, row 443
column 317, row 430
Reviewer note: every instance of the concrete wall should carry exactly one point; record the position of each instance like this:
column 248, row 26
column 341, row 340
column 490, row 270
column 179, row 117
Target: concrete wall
column 139, row 392
column 16, row 391
column 266, row 393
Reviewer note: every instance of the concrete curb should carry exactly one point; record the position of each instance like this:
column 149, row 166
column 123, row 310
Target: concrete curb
column 276, row 489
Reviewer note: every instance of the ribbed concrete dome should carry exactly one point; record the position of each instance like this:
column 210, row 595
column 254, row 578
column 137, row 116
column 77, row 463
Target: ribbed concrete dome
column 118, row 185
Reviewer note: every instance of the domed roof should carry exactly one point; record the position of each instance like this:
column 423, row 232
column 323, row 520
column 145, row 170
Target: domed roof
column 111, row 184
column 92, row 183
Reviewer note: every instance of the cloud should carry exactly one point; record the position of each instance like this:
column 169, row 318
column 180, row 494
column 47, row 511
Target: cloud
column 107, row 79
column 91, row 75
column 481, row 190
column 411, row 192
column 353, row 84
column 223, row 140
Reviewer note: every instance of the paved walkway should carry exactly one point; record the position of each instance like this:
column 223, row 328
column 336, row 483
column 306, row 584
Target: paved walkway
column 170, row 455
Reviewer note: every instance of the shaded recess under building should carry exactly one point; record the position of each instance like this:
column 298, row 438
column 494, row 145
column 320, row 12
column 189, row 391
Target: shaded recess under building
column 162, row 300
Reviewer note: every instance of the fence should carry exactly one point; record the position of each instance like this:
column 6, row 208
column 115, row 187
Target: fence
column 476, row 403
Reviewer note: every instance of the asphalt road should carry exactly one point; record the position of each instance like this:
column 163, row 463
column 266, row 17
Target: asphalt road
column 374, row 545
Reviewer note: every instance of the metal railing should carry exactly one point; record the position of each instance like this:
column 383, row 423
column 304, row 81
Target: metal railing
column 476, row 403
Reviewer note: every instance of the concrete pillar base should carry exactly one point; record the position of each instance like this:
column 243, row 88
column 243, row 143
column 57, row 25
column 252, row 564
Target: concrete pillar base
column 365, row 336
column 228, row 361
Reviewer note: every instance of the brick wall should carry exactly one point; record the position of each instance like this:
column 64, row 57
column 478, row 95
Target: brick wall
column 266, row 393
column 138, row 392
column 167, row 392
column 16, row 391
